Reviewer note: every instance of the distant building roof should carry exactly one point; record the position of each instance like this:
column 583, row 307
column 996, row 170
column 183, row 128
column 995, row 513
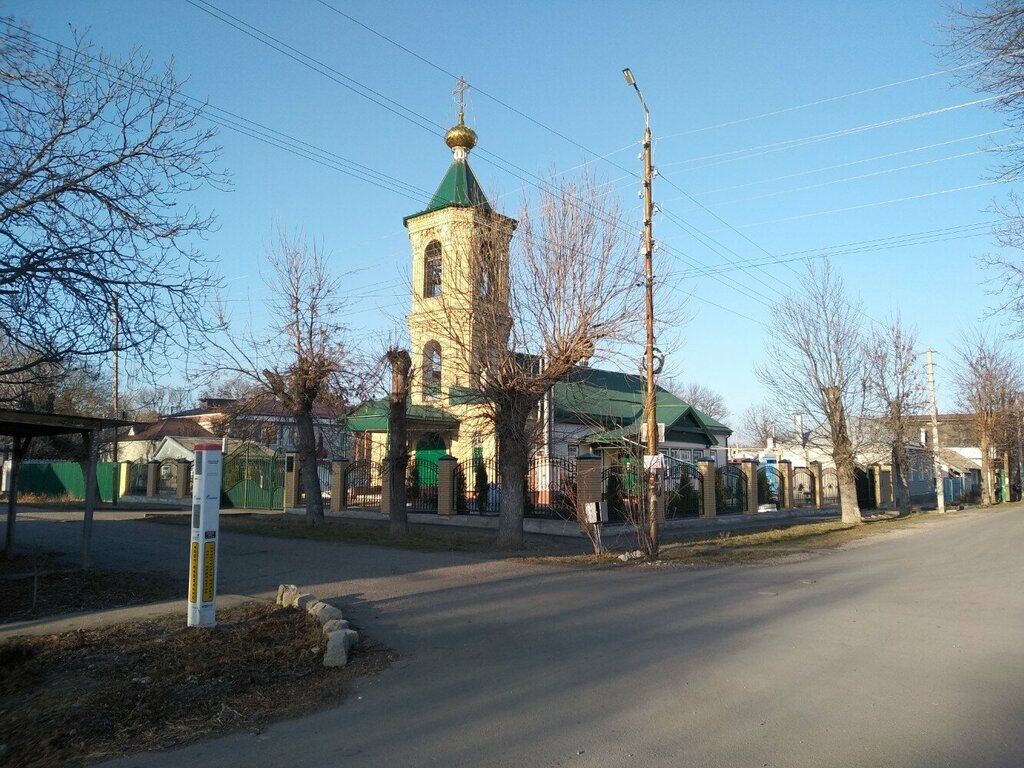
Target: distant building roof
column 168, row 427
column 264, row 406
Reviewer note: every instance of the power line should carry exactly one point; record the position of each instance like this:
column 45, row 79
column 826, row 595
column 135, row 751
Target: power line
column 256, row 130
column 305, row 59
column 881, row 203
column 787, row 144
column 873, row 174
column 925, row 237
column 849, row 163
column 840, row 97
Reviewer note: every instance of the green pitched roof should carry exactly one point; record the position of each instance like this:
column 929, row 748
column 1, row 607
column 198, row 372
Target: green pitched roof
column 458, row 188
column 615, row 400
column 372, row 416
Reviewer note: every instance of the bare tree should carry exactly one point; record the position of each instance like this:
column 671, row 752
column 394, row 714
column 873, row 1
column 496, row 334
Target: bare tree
column 566, row 295
column 816, row 368
column 987, row 379
column 99, row 158
column 895, row 381
column 302, row 361
column 398, row 442
column 153, row 402
column 759, row 424
column 701, row 397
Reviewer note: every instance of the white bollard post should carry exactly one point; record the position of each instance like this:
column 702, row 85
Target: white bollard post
column 202, row 571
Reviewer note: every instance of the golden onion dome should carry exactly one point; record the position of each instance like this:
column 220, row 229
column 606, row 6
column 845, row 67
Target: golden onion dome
column 460, row 137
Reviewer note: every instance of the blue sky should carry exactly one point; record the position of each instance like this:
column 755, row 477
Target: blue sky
column 764, row 187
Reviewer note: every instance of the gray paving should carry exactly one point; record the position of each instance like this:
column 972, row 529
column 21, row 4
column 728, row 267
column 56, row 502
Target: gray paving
column 905, row 650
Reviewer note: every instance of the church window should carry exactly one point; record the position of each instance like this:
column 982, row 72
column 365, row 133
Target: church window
column 432, row 270
column 432, row 370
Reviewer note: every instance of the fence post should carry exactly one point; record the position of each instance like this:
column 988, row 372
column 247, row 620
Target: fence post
column 181, row 478
column 152, row 478
column 292, row 486
column 879, row 501
column 588, row 483
column 749, row 467
column 385, row 488
column 446, row 485
column 786, row 473
column 707, row 471
column 815, row 467
column 339, row 493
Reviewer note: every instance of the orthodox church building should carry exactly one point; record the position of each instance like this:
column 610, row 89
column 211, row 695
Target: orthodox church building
column 460, row 310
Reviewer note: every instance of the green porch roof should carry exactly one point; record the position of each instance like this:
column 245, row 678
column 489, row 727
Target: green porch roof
column 459, row 188
column 597, row 398
column 372, row 416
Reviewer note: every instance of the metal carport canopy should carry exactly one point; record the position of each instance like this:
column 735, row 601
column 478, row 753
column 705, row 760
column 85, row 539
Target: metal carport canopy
column 21, row 427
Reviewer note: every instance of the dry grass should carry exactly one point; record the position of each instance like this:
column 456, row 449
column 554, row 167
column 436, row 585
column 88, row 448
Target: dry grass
column 94, row 694
column 724, row 548
column 41, row 585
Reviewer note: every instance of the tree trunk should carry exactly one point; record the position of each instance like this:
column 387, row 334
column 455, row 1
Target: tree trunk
column 901, row 489
column 398, row 442
column 308, row 458
column 513, row 452
column 987, row 496
column 842, row 455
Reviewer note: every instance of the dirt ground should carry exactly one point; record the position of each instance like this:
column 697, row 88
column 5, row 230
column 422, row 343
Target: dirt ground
column 81, row 696
column 41, row 585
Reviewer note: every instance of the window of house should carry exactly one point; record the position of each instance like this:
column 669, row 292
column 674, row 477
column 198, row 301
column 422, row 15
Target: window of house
column 432, row 270
column 573, row 450
column 432, row 370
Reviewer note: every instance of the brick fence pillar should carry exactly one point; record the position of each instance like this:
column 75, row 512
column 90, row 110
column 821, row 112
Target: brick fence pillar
column 183, row 478
column 707, row 471
column 339, row 492
column 292, row 486
column 588, row 483
column 385, row 488
column 446, row 485
column 153, row 478
column 749, row 467
column 786, row 473
column 815, row 468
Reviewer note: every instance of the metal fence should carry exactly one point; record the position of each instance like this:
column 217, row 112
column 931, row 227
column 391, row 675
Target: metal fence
column 551, row 489
column 421, row 485
column 684, row 490
column 829, row 488
column 253, row 479
column 771, row 486
column 476, row 487
column 623, row 490
column 361, row 484
column 803, row 488
column 730, row 490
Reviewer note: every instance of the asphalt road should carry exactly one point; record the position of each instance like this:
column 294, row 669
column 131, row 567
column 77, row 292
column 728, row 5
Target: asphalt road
column 903, row 650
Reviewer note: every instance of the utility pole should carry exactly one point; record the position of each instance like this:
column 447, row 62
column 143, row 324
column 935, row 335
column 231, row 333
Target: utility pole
column 940, row 495
column 116, row 403
column 651, row 466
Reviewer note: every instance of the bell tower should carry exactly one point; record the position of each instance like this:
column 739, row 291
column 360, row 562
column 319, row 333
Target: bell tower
column 460, row 273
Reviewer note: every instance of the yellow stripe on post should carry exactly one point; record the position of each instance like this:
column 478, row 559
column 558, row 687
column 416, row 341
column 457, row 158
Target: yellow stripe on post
column 193, row 573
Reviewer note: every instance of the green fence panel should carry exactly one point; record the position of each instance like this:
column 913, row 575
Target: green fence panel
column 64, row 478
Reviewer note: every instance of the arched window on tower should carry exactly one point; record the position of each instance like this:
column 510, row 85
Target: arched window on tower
column 432, row 270
column 432, row 370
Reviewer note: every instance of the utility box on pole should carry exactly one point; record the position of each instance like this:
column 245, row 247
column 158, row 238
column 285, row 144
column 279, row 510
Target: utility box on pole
column 202, row 571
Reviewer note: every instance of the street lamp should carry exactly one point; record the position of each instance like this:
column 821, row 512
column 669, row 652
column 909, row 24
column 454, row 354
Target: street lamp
column 650, row 404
